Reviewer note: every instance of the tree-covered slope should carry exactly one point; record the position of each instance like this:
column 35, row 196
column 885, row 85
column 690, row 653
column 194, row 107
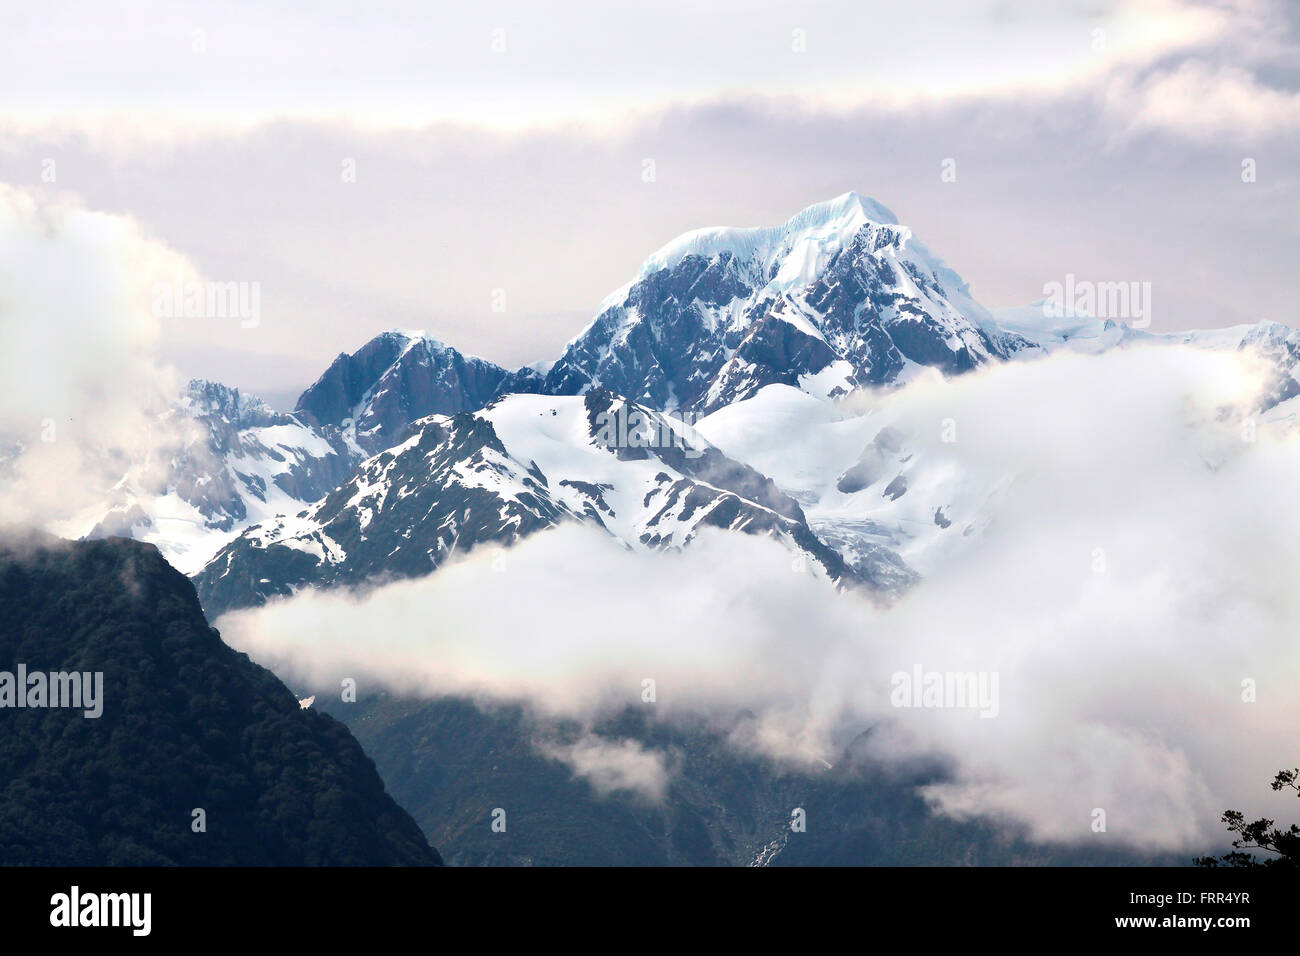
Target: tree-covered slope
column 187, row 724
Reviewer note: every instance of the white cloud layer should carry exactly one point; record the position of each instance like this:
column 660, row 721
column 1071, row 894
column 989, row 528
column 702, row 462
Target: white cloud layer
column 1120, row 687
column 522, row 65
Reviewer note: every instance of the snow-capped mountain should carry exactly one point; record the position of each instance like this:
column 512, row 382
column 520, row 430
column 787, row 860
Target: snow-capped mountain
column 227, row 460
column 757, row 330
column 838, row 297
column 654, row 482
column 449, row 486
column 231, row 461
column 524, row 464
column 367, row 399
column 1277, row 344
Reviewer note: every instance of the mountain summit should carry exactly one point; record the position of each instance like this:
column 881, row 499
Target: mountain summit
column 838, row 297
column 367, row 399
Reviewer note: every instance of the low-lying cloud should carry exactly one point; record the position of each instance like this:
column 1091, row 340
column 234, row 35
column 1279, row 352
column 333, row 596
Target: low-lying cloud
column 614, row 765
column 1131, row 587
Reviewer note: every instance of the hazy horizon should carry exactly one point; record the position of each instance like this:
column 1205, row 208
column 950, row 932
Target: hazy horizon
column 491, row 175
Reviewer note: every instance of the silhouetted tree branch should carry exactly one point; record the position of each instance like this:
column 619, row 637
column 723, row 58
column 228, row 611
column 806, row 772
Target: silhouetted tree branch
column 1261, row 834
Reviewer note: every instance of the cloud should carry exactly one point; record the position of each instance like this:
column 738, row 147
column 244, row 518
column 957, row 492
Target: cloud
column 613, row 765
column 82, row 380
column 1134, row 571
column 1204, row 102
column 518, row 66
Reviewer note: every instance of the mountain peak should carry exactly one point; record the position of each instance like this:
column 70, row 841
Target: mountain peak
column 411, row 337
column 370, row 396
column 813, row 234
column 207, row 398
column 840, row 287
column 848, row 205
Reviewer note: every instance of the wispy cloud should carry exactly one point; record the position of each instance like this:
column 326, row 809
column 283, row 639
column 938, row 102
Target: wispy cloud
column 613, row 766
column 84, row 383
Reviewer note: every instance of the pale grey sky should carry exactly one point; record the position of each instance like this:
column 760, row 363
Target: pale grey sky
column 502, row 146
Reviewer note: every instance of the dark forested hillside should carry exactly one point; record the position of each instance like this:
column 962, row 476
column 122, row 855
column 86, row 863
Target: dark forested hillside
column 187, row 724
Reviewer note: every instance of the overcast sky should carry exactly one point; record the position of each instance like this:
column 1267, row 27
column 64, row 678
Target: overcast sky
column 504, row 147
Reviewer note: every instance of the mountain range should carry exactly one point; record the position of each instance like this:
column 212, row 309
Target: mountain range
column 734, row 334
column 708, row 392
